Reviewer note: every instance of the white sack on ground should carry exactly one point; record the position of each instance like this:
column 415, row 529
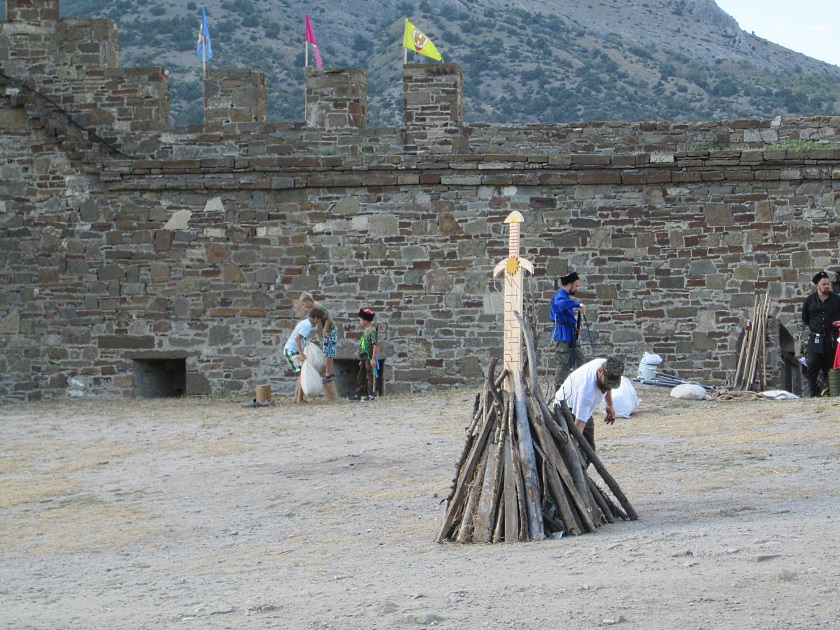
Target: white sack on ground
column 689, row 391
column 778, row 394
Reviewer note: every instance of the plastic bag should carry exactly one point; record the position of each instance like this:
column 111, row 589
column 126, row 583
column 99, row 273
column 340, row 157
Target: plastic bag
column 315, row 356
column 651, row 359
column 625, row 399
column 310, row 380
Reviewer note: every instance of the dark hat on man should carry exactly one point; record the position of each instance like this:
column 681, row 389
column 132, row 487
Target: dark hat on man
column 613, row 370
column 816, row 279
column 569, row 278
column 366, row 314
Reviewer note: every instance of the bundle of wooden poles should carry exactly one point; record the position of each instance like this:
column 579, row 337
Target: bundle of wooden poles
column 751, row 369
column 521, row 474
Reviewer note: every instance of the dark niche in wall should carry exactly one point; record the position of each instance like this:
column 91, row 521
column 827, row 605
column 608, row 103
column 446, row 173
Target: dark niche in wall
column 159, row 378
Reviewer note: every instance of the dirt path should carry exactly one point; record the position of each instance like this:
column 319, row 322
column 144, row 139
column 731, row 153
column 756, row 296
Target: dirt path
column 202, row 514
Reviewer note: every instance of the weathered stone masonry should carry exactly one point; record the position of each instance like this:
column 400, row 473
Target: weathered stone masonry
column 193, row 244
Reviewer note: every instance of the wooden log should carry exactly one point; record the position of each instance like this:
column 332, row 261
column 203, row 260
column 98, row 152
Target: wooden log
column 617, row 512
column 519, row 484
column 523, row 533
column 758, row 342
column 330, row 391
column 499, row 529
column 763, row 362
column 595, row 491
column 560, row 436
column 526, row 456
column 596, row 462
column 485, row 518
column 581, row 494
column 509, row 503
column 749, row 374
column 263, row 393
column 532, row 357
column 465, row 531
column 479, row 414
column 557, row 526
column 745, row 342
column 574, row 462
column 467, row 473
column 554, row 486
column 559, row 468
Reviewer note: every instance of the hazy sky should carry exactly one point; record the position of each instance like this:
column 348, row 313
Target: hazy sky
column 807, row 26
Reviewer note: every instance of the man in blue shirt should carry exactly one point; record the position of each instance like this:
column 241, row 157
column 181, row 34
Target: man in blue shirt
column 566, row 330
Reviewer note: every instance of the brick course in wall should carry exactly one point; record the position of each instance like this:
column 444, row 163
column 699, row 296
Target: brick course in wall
column 196, row 250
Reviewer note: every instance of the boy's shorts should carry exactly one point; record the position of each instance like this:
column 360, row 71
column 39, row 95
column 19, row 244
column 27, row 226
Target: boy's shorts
column 293, row 359
column 330, row 343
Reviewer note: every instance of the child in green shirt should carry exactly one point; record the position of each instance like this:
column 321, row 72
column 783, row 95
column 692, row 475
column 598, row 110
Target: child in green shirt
column 368, row 357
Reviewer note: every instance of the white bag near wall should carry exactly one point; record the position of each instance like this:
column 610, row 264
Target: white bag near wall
column 310, row 380
column 315, row 356
column 625, row 399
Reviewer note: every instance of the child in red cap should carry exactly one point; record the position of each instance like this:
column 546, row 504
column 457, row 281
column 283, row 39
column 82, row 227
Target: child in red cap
column 368, row 357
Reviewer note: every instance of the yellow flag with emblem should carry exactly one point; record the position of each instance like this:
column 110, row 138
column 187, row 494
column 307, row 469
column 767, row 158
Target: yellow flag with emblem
column 418, row 42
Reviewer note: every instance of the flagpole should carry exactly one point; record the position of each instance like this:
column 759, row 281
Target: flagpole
column 203, row 66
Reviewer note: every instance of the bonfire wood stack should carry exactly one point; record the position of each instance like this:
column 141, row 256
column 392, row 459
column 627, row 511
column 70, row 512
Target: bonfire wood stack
column 521, row 475
column 751, row 370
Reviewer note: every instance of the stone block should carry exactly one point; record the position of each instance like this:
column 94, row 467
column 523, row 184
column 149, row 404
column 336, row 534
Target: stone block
column 702, row 341
column 448, row 225
column 627, row 336
column 718, row 214
column 383, row 225
column 10, row 323
column 470, row 367
column 348, row 205
column 369, row 283
column 702, row 267
column 414, row 252
column 266, row 275
column 438, row 281
column 801, row 260
column 125, row 342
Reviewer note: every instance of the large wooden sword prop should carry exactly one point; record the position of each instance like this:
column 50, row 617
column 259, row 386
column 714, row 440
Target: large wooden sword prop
column 512, row 267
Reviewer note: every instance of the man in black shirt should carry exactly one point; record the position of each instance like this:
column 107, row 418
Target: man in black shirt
column 821, row 314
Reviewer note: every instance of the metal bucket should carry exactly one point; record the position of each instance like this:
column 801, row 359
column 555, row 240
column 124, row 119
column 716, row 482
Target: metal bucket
column 648, row 370
column 834, row 382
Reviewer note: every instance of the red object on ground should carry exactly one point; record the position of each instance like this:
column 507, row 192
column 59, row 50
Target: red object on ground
column 837, row 357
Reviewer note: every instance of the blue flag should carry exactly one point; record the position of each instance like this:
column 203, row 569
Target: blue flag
column 204, row 50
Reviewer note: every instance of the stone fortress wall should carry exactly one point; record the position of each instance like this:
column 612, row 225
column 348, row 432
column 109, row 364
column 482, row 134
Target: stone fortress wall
column 172, row 263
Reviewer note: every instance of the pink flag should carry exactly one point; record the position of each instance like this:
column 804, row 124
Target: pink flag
column 310, row 37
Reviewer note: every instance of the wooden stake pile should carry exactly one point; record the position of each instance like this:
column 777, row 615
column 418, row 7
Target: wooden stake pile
column 520, row 476
column 751, row 369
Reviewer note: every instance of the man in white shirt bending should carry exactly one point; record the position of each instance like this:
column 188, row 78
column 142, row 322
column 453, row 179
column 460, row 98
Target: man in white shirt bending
column 586, row 387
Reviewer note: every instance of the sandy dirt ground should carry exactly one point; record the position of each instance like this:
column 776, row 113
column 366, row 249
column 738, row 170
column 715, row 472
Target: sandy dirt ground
column 202, row 514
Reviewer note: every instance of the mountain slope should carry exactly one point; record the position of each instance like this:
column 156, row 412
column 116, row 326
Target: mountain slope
column 523, row 61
